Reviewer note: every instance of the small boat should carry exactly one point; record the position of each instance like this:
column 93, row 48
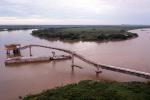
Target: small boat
column 16, row 60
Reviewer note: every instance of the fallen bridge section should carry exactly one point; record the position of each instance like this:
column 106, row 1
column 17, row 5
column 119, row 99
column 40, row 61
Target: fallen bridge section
column 114, row 68
column 96, row 65
column 16, row 60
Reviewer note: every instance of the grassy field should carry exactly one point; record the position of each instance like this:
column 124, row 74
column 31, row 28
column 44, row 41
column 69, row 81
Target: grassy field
column 94, row 90
column 85, row 34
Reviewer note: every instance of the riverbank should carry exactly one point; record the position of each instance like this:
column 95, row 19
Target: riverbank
column 84, row 34
column 95, row 90
column 34, row 79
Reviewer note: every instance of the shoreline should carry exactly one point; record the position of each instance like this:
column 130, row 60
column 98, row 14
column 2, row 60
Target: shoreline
column 90, row 89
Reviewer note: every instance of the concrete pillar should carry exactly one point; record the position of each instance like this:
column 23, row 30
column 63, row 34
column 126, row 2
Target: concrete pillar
column 53, row 53
column 30, row 51
column 72, row 60
column 98, row 71
column 8, row 52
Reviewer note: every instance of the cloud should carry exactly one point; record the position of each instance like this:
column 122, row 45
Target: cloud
column 98, row 11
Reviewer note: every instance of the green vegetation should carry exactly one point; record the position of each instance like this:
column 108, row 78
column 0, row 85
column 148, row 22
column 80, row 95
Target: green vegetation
column 25, row 27
column 94, row 90
column 84, row 34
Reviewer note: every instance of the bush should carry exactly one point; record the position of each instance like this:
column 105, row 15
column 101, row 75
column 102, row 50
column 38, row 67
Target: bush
column 94, row 90
column 83, row 34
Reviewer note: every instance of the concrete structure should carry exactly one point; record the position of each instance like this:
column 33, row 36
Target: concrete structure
column 94, row 64
column 12, row 50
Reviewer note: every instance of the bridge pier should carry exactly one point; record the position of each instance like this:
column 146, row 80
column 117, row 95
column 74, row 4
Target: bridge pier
column 98, row 71
column 72, row 61
column 145, row 75
column 30, row 51
column 53, row 53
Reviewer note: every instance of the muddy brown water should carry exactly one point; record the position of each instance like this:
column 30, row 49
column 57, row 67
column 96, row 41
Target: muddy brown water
column 23, row 79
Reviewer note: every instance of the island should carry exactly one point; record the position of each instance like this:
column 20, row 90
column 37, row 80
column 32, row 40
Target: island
column 84, row 34
column 96, row 90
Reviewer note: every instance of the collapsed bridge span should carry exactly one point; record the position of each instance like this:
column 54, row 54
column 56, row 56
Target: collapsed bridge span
column 96, row 65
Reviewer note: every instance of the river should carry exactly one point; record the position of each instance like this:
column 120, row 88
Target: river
column 20, row 80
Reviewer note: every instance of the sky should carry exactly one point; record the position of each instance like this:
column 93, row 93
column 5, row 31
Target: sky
column 75, row 12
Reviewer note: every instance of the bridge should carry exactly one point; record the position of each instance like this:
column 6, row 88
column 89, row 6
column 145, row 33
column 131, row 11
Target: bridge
column 92, row 63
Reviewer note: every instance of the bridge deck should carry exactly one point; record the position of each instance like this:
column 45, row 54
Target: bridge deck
column 107, row 67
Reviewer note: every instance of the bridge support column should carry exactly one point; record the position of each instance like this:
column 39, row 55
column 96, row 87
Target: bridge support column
column 72, row 61
column 98, row 71
column 53, row 53
column 30, row 51
column 8, row 53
